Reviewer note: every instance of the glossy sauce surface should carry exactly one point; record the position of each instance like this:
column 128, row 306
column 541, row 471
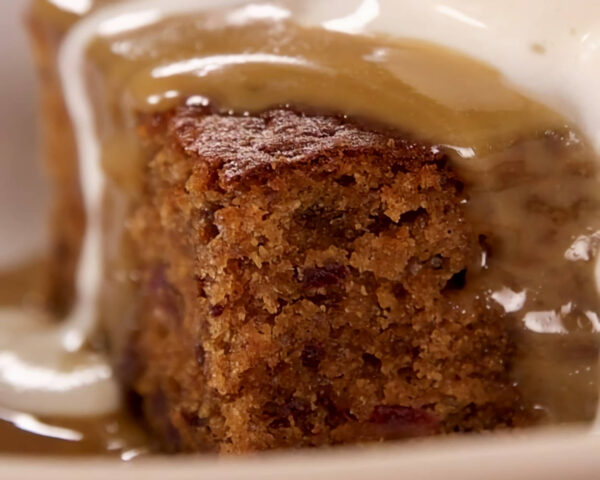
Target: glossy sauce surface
column 531, row 178
column 117, row 435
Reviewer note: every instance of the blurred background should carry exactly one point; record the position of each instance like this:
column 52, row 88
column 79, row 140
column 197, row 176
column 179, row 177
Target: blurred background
column 23, row 192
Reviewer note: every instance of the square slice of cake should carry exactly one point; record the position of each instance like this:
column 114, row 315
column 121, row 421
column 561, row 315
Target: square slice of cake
column 301, row 284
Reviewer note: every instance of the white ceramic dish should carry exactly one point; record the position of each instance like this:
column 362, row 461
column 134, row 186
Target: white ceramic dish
column 543, row 454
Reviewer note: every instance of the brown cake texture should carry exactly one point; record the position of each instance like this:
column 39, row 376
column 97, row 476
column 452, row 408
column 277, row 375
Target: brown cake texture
column 60, row 160
column 305, row 281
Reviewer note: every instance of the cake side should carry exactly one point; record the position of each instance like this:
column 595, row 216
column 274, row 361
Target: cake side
column 303, row 282
column 67, row 218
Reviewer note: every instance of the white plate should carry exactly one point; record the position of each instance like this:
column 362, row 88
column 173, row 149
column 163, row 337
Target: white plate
column 550, row 455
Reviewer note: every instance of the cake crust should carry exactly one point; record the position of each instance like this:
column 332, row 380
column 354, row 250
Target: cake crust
column 238, row 148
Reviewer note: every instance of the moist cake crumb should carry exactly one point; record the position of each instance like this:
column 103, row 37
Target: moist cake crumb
column 303, row 284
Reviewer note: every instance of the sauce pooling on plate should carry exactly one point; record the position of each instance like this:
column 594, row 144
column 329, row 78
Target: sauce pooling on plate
column 530, row 177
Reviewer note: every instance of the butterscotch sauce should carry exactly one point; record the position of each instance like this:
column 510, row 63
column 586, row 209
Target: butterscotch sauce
column 425, row 90
column 530, row 176
column 115, row 435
